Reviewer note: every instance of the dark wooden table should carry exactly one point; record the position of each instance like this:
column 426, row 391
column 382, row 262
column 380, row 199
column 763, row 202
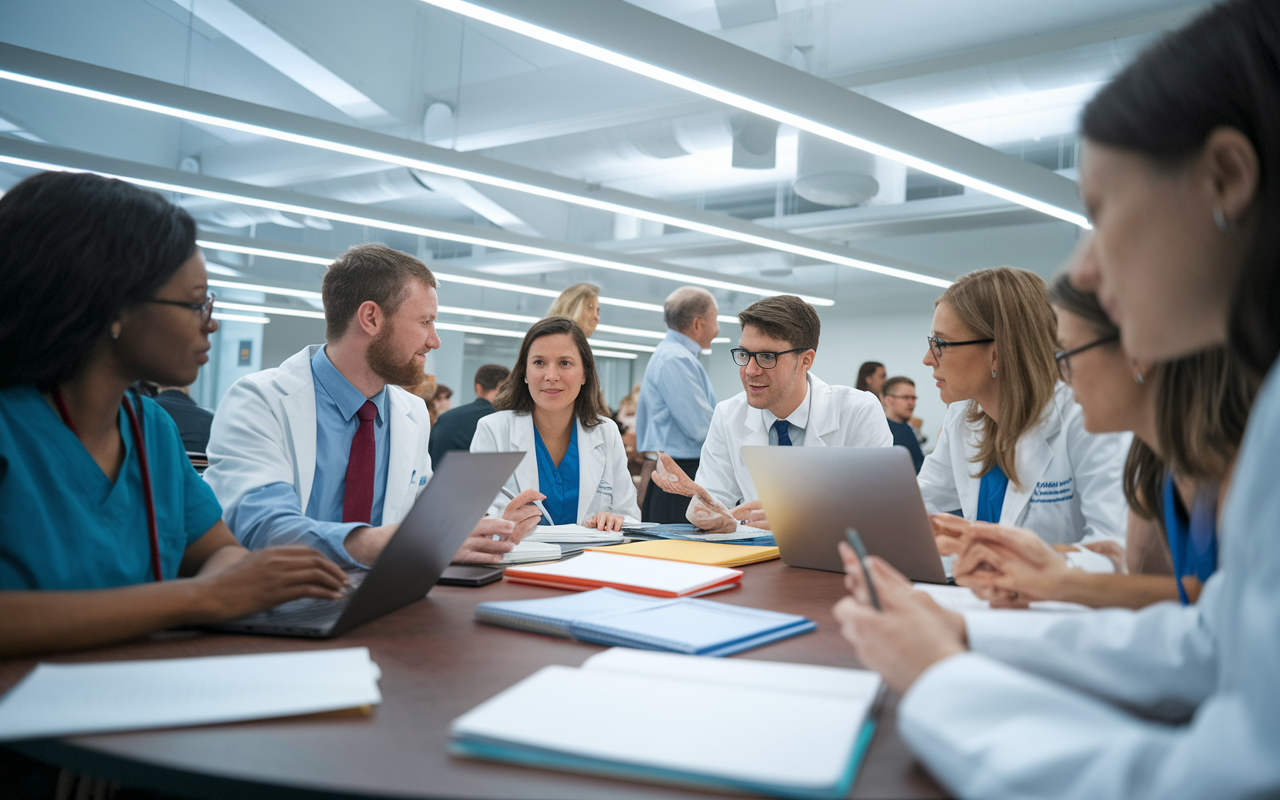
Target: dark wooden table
column 436, row 663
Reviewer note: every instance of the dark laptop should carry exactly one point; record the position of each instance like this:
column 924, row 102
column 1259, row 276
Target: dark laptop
column 461, row 489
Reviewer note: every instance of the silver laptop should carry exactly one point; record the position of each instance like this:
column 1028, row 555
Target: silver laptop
column 461, row 488
column 812, row 494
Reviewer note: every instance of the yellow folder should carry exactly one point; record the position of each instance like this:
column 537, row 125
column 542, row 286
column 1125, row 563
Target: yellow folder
column 711, row 553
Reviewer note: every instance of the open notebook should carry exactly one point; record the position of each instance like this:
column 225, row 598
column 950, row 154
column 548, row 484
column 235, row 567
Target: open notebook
column 611, row 617
column 651, row 576
column 790, row 730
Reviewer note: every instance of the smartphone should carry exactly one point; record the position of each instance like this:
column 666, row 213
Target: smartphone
column 469, row 576
column 860, row 550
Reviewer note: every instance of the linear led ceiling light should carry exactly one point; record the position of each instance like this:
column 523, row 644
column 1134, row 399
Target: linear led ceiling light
column 44, row 157
column 239, row 318
column 479, row 329
column 46, row 71
column 697, row 62
column 225, row 243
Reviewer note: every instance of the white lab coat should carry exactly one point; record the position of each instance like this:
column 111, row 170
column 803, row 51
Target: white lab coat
column 839, row 416
column 265, row 432
column 604, row 484
column 1071, row 480
column 1166, row 702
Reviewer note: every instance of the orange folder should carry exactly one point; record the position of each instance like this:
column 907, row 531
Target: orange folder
column 710, row 553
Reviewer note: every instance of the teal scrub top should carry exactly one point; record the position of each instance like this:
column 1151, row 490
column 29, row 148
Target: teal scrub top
column 64, row 525
column 559, row 484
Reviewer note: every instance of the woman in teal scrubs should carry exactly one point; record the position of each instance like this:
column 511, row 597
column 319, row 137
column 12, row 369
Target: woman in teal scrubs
column 101, row 285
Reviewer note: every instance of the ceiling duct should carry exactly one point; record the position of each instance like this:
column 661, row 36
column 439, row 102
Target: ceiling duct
column 830, row 174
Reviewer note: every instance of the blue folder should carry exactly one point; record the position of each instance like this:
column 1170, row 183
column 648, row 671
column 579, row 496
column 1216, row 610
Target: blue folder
column 625, row 619
column 687, row 530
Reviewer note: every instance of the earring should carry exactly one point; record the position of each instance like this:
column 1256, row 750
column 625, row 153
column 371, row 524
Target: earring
column 1137, row 378
column 115, row 332
column 1220, row 219
column 993, row 373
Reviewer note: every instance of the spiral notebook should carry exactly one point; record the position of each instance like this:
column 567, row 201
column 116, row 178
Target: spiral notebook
column 626, row 619
column 652, row 576
column 789, row 730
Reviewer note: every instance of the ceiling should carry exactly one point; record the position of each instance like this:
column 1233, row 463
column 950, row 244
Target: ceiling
column 1008, row 74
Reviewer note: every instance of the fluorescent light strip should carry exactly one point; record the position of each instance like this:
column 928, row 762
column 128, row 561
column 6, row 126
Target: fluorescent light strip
column 442, row 276
column 551, row 37
column 612, row 354
column 239, row 318
column 287, row 312
column 761, row 240
column 640, row 348
column 420, row 230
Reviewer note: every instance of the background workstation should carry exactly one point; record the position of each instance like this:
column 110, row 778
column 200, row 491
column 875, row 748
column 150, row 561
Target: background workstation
column 1004, row 74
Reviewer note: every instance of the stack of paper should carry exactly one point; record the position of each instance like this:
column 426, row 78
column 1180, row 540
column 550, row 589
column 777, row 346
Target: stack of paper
column 573, row 534
column 644, row 575
column 719, row 555
column 790, row 730
column 528, row 552
column 64, row 699
column 611, row 617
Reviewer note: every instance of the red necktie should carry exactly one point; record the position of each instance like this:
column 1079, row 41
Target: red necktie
column 357, row 500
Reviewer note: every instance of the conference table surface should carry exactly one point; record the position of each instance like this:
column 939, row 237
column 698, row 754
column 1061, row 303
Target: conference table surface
column 436, row 664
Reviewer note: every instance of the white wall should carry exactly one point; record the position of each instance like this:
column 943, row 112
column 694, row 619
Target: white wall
column 896, row 340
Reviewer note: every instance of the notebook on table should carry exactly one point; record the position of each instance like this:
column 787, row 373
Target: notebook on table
column 650, row 576
column 572, row 534
column 728, row 724
column 626, row 619
column 717, row 555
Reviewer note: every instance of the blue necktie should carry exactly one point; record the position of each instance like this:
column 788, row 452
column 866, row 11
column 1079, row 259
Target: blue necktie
column 784, row 437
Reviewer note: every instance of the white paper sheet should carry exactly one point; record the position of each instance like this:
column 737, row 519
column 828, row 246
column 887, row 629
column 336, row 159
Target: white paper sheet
column 652, row 573
column 64, row 699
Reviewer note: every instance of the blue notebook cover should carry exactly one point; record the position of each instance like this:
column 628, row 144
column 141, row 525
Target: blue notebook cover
column 616, row 618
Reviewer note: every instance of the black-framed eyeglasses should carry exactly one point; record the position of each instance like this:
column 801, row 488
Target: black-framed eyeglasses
column 766, row 359
column 205, row 308
column 936, row 345
column 1063, row 357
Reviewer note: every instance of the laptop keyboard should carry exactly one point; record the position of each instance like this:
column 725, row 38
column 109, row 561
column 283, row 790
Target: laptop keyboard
column 306, row 611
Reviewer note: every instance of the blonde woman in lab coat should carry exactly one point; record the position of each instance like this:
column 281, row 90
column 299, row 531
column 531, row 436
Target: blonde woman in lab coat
column 549, row 410
column 1179, row 170
column 1013, row 448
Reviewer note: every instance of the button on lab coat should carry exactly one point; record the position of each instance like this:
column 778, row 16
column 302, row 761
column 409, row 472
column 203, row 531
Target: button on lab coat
column 265, row 432
column 1071, row 480
column 604, row 484
column 1166, row 702
column 839, row 416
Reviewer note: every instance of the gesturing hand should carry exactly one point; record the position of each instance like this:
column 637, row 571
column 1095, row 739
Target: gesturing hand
column 752, row 514
column 1008, row 566
column 266, row 578
column 481, row 547
column 907, row 636
column 949, row 532
column 604, row 521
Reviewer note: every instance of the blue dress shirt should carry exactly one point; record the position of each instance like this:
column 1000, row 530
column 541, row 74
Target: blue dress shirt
column 676, row 400
column 270, row 515
column 991, row 490
column 559, row 484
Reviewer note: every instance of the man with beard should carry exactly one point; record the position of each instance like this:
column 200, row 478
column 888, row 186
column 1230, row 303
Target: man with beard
column 327, row 450
column 782, row 404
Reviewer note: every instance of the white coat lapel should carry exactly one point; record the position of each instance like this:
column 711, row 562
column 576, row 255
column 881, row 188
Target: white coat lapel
column 591, row 464
column 521, row 441
column 1034, row 454
column 300, row 419
column 823, row 420
column 404, row 434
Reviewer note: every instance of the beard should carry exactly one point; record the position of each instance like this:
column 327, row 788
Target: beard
column 389, row 365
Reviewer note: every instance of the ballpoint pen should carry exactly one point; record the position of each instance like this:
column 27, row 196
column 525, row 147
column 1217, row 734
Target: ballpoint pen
column 537, row 503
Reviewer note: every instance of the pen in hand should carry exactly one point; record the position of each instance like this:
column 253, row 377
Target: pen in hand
column 860, row 550
column 538, row 503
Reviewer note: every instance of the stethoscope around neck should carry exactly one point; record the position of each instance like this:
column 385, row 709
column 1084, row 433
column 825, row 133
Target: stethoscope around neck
column 140, row 445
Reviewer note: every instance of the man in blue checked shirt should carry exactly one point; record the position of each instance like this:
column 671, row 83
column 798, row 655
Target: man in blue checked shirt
column 676, row 398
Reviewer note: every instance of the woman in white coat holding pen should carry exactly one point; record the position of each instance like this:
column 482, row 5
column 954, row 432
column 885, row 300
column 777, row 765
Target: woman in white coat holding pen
column 1179, row 171
column 550, row 410
column 1013, row 448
